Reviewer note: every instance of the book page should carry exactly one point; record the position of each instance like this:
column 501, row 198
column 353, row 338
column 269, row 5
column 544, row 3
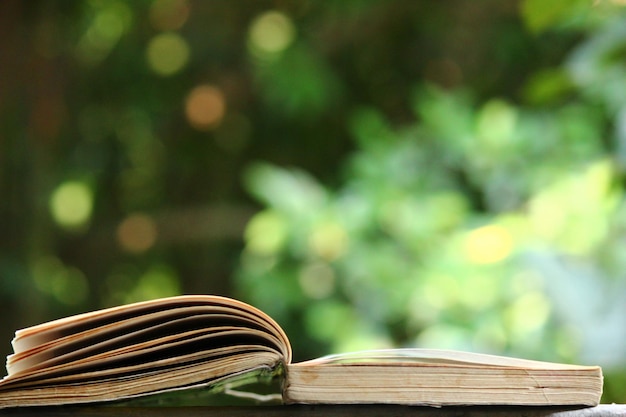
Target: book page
column 214, row 374
column 143, row 348
column 439, row 377
column 41, row 334
column 159, row 327
column 434, row 356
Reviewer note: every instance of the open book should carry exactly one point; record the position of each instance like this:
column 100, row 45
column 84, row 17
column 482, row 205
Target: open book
column 209, row 341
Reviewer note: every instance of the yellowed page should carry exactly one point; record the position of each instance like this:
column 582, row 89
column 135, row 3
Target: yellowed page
column 435, row 356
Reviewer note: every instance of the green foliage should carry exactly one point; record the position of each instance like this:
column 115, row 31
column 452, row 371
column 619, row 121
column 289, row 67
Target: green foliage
column 540, row 15
column 314, row 91
column 400, row 249
column 472, row 227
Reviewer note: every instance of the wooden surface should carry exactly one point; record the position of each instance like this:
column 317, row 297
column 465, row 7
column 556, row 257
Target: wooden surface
column 605, row 410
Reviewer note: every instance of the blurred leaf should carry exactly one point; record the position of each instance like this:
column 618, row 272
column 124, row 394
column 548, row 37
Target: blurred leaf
column 330, row 321
column 370, row 129
column 572, row 213
column 495, row 125
column 540, row 15
column 548, row 86
column 448, row 113
column 266, row 233
column 298, row 84
column 292, row 191
column 596, row 65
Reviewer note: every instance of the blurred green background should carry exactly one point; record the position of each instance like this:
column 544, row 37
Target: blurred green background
column 444, row 174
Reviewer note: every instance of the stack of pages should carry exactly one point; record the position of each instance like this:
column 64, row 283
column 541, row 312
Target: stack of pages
column 215, row 342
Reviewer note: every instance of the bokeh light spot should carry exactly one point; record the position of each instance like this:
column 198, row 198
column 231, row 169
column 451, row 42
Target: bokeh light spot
column 205, row 107
column 317, row 280
column 488, row 244
column 67, row 285
column 329, row 241
column 271, row 33
column 108, row 26
column 167, row 53
column 528, row 313
column 496, row 122
column 159, row 281
column 137, row 233
column 266, row 233
column 71, row 204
